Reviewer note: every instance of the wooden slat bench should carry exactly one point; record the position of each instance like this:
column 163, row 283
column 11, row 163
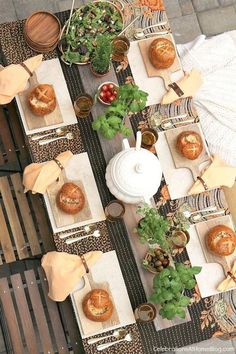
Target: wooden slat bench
column 25, row 231
column 34, row 321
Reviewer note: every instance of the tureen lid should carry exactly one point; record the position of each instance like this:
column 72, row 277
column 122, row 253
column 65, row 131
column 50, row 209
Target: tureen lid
column 137, row 172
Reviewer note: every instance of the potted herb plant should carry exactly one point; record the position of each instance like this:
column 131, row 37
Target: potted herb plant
column 178, row 234
column 101, row 59
column 153, row 227
column 169, row 286
column 130, row 99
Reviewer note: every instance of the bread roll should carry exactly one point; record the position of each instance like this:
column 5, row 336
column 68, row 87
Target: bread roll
column 221, row 240
column 162, row 53
column 42, row 100
column 97, row 305
column 189, row 144
column 70, row 198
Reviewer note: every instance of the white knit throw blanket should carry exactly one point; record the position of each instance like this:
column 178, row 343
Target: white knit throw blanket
column 216, row 99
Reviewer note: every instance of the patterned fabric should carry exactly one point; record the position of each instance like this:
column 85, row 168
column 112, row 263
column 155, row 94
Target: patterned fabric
column 114, row 235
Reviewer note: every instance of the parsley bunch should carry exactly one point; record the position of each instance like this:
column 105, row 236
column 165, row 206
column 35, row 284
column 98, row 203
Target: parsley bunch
column 129, row 100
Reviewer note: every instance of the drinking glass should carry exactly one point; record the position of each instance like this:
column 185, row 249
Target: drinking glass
column 145, row 313
column 121, row 46
column 83, row 105
column 114, row 210
column 149, row 137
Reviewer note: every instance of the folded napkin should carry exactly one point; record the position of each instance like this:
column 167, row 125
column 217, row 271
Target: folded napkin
column 64, row 271
column 218, row 174
column 13, row 78
column 230, row 196
column 38, row 176
column 229, row 282
column 189, row 85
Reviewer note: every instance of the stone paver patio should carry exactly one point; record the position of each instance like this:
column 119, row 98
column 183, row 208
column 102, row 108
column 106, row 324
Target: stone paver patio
column 188, row 19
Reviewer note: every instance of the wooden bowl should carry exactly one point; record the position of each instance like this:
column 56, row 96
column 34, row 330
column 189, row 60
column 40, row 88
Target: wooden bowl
column 42, row 31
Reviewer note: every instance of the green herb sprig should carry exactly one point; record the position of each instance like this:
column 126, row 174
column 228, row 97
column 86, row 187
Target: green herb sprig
column 168, row 290
column 101, row 58
column 153, row 227
column 130, row 99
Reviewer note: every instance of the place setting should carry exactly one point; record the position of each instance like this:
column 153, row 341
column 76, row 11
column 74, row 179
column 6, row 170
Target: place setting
column 132, row 191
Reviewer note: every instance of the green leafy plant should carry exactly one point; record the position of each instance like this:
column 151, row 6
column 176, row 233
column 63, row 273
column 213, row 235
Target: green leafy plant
column 168, row 289
column 129, row 100
column 101, row 59
column 153, row 227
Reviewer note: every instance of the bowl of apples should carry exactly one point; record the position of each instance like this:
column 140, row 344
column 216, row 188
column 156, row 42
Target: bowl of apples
column 107, row 92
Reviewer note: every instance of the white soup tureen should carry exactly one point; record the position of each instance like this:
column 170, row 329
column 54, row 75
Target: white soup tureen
column 134, row 174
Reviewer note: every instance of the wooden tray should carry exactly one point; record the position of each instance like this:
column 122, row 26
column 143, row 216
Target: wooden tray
column 202, row 230
column 33, row 121
column 165, row 74
column 179, row 160
column 89, row 327
column 61, row 218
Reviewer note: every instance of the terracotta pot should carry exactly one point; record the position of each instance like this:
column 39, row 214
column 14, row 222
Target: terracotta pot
column 180, row 235
column 98, row 74
column 151, row 254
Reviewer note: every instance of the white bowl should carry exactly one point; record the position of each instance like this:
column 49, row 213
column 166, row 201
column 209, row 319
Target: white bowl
column 99, row 89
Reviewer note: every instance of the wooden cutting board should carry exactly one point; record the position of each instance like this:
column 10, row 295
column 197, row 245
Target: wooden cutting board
column 61, row 218
column 179, row 160
column 202, row 229
column 33, row 121
column 90, row 327
column 165, row 74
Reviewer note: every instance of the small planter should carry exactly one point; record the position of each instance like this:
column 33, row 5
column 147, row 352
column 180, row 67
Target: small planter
column 179, row 238
column 99, row 74
column 156, row 260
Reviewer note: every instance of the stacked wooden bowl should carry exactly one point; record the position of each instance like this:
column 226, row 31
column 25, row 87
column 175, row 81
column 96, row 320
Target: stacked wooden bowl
column 42, row 31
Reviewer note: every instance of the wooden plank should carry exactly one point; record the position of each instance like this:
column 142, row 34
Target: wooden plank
column 7, row 138
column 23, row 308
column 26, row 214
column 71, row 326
column 5, row 240
column 17, row 133
column 43, row 225
column 39, row 312
column 58, row 330
column 2, row 161
column 13, row 218
column 11, row 318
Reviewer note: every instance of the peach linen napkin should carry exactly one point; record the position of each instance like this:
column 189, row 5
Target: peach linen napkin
column 218, row 174
column 38, row 176
column 189, row 85
column 13, row 78
column 228, row 283
column 64, row 271
column 230, row 196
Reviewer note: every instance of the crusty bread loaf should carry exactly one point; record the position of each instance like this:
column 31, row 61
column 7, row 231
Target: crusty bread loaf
column 97, row 305
column 189, row 144
column 42, row 100
column 70, row 198
column 162, row 53
column 221, row 240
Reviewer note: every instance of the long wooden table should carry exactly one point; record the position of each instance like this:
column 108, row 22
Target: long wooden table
column 119, row 235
